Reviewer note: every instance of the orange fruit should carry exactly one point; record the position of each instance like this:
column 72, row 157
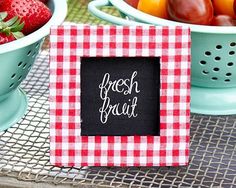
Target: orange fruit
column 154, row 7
column 225, row 7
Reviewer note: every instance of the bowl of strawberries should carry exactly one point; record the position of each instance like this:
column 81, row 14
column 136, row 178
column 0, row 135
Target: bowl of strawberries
column 23, row 26
column 213, row 33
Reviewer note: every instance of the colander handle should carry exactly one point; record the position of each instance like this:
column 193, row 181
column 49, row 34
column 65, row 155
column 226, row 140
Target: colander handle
column 95, row 6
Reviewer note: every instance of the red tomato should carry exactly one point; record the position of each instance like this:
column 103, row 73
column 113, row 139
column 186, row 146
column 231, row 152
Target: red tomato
column 133, row 3
column 223, row 20
column 234, row 7
column 191, row 11
column 224, row 7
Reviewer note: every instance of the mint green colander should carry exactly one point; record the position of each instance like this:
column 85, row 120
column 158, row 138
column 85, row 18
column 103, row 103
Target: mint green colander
column 213, row 57
column 16, row 60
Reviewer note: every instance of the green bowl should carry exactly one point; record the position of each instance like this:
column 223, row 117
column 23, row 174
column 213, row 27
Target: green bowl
column 213, row 71
column 16, row 60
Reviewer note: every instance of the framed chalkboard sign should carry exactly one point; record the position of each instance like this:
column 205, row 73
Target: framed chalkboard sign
column 119, row 96
column 122, row 96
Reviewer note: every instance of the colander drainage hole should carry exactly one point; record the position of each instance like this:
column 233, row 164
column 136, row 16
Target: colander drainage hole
column 227, row 80
column 230, row 64
column 205, row 72
column 19, row 64
column 214, row 78
column 231, row 52
column 218, row 47
column 217, row 58
column 13, row 76
column 11, row 86
column 232, row 44
column 216, row 69
column 20, row 77
column 24, row 65
column 207, row 53
column 228, row 74
column 29, row 52
column 203, row 62
column 34, row 54
column 29, row 67
column 37, row 45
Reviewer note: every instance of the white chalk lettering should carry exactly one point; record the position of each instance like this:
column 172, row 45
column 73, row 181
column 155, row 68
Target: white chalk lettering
column 122, row 86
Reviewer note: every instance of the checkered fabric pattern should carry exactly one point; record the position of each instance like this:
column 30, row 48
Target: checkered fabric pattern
column 68, row 44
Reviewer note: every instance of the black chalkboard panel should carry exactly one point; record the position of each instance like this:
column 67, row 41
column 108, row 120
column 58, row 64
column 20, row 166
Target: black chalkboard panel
column 120, row 96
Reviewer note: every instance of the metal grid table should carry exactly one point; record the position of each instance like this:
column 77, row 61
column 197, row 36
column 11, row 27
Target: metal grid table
column 24, row 148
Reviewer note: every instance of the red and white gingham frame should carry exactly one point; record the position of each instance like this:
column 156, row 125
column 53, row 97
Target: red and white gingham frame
column 68, row 44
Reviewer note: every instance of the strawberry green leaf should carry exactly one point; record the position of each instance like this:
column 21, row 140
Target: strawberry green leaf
column 12, row 26
column 3, row 15
column 17, row 27
column 18, row 35
column 11, row 21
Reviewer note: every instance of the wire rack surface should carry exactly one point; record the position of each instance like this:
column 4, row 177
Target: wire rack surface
column 24, row 148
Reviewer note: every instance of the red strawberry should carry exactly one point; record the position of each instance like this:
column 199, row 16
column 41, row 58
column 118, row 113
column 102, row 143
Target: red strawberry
column 44, row 1
column 33, row 13
column 5, row 39
column 10, row 30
